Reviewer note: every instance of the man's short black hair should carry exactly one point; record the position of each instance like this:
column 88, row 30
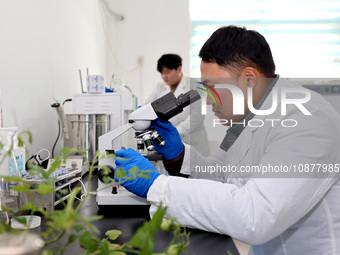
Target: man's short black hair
column 236, row 47
column 171, row 61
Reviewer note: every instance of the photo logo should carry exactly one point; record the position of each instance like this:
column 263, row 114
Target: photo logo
column 301, row 96
column 238, row 99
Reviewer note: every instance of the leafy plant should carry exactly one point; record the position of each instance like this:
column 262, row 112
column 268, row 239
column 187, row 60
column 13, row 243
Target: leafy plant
column 68, row 220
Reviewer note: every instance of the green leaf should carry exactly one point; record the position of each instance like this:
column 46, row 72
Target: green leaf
column 64, row 191
column 45, row 189
column 21, row 188
column 30, row 137
column 47, row 252
column 143, row 238
column 134, row 170
column 28, row 206
column 21, row 220
column 109, row 156
column 147, row 246
column 72, row 238
column 34, row 170
column 74, row 150
column 20, row 142
column 157, row 219
column 55, row 164
column 65, row 150
column 114, row 246
column 12, row 179
column 143, row 175
column 120, row 173
column 78, row 227
column 104, row 248
column 94, row 218
column 113, row 234
column 93, row 228
column 107, row 179
column 89, row 242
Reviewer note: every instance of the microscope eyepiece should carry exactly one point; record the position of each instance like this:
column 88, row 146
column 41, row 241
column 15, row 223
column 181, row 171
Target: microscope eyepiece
column 185, row 99
column 169, row 106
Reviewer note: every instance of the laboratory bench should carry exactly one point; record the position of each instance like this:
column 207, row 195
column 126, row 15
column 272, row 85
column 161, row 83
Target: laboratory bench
column 129, row 218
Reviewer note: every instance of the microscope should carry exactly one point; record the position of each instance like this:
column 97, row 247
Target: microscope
column 163, row 108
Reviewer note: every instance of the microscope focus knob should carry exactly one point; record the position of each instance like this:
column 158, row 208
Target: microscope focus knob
column 106, row 171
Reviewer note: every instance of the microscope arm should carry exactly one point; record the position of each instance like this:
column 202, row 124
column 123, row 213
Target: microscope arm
column 140, row 119
column 105, row 141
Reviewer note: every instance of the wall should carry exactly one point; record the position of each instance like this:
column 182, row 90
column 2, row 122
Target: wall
column 43, row 45
column 150, row 28
column 45, row 42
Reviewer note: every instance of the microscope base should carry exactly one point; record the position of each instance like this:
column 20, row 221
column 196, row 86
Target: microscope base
column 123, row 197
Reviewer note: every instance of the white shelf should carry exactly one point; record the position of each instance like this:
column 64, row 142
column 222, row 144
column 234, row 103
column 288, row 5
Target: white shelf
column 68, row 175
column 71, row 174
column 68, row 183
column 62, row 199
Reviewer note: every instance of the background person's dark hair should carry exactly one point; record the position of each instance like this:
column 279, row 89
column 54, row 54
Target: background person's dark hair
column 171, row 61
column 236, row 48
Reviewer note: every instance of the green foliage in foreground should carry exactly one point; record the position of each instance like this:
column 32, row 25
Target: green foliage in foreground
column 78, row 229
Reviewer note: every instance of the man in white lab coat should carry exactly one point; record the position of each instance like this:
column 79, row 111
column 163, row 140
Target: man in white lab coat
column 189, row 123
column 274, row 183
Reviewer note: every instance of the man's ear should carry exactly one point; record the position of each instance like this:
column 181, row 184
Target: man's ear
column 251, row 75
column 179, row 69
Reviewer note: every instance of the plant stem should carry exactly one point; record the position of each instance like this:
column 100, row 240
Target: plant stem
column 61, row 233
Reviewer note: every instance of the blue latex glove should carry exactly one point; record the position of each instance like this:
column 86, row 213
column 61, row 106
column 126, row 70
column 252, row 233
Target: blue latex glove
column 173, row 146
column 129, row 158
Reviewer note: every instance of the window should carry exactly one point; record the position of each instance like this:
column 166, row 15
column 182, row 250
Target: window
column 304, row 35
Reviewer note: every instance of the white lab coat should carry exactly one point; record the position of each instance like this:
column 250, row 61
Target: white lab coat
column 189, row 123
column 278, row 215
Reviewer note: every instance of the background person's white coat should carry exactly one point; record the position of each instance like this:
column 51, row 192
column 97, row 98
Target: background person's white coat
column 189, row 123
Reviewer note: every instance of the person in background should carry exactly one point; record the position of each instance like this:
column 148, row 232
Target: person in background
column 292, row 210
column 189, row 123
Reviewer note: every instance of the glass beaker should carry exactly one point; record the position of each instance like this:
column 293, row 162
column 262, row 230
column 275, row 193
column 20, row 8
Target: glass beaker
column 9, row 198
column 8, row 163
column 117, row 84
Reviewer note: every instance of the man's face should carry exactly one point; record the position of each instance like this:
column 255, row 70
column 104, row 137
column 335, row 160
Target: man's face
column 171, row 76
column 211, row 74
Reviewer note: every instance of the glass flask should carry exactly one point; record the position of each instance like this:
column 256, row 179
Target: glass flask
column 9, row 198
